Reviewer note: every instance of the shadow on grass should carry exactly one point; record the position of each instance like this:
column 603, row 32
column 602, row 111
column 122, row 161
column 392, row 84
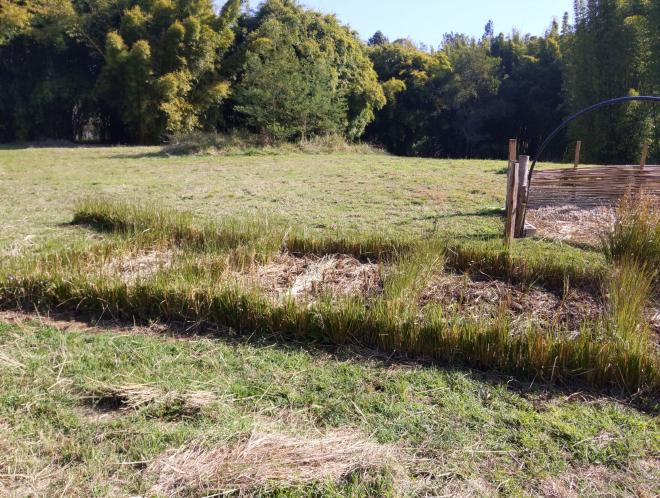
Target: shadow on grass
column 46, row 144
column 142, row 155
column 540, row 393
column 494, row 212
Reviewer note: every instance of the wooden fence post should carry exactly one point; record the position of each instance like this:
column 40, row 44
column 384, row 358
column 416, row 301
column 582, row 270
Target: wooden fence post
column 512, row 204
column 645, row 155
column 523, row 186
column 511, row 182
column 578, row 148
column 513, row 150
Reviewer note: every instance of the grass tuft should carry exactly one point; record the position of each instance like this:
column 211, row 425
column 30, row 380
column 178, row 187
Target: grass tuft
column 636, row 231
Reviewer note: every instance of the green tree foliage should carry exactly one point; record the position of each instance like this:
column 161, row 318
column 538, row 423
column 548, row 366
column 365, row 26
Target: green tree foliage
column 378, row 38
column 137, row 68
column 415, row 84
column 610, row 54
column 162, row 67
column 467, row 99
column 331, row 57
column 473, row 91
column 531, row 92
column 289, row 98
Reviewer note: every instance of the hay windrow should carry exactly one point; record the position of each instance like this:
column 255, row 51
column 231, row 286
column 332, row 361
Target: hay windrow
column 268, row 459
column 572, row 223
column 309, row 277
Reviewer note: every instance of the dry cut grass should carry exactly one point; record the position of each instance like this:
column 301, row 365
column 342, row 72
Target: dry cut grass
column 572, row 223
column 265, row 460
column 306, row 278
column 137, row 396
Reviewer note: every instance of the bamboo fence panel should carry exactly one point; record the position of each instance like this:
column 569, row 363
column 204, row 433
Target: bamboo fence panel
column 590, row 187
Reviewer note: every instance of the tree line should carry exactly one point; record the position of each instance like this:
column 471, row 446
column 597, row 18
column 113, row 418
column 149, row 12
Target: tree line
column 136, row 71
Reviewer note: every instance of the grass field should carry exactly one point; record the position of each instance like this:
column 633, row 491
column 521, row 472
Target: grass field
column 103, row 409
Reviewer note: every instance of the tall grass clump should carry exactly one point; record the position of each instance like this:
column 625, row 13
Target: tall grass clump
column 528, row 268
column 128, row 218
column 636, row 231
column 630, row 288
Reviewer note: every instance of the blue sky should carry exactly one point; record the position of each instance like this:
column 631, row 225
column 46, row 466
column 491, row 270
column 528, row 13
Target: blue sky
column 427, row 20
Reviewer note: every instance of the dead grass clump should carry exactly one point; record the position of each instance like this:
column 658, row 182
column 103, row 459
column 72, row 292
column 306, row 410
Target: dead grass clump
column 265, row 460
column 572, row 223
column 137, row 396
column 9, row 362
column 141, row 266
column 310, row 277
column 489, row 298
column 639, row 479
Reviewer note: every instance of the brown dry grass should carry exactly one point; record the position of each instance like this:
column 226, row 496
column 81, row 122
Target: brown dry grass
column 310, row 277
column 268, row 459
column 484, row 298
column 641, row 480
column 9, row 362
column 134, row 267
column 572, row 223
column 136, row 396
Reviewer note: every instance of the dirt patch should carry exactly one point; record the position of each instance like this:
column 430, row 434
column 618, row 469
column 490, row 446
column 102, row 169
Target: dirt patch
column 489, row 298
column 263, row 460
column 572, row 223
column 135, row 267
column 309, row 277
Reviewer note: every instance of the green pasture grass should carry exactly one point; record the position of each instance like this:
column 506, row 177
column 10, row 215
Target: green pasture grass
column 464, row 431
column 469, row 432
column 325, row 193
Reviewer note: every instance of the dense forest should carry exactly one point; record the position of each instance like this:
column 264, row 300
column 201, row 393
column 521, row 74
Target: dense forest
column 138, row 71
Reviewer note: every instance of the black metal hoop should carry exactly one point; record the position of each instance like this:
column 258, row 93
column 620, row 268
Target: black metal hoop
column 619, row 100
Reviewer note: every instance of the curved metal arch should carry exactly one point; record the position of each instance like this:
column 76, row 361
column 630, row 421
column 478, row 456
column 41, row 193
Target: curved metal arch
column 619, row 100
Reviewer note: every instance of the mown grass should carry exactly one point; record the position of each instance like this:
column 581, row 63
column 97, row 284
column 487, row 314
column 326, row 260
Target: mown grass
column 204, row 294
column 465, row 433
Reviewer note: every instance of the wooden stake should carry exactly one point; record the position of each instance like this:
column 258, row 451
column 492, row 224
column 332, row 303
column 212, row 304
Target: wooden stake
column 512, row 204
column 578, row 147
column 513, row 149
column 645, row 155
column 523, row 186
